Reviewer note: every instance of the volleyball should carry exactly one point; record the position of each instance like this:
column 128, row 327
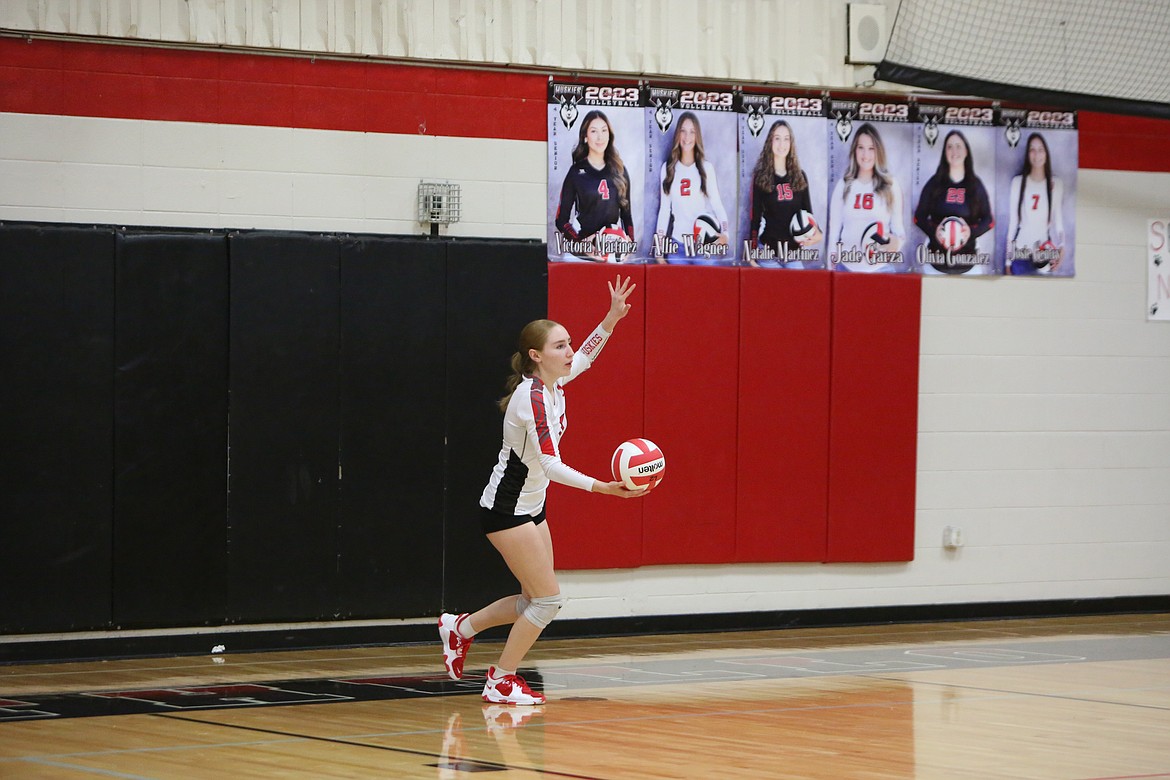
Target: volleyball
column 1044, row 255
column 953, row 233
column 638, row 464
column 610, row 244
column 873, row 237
column 802, row 224
column 706, row 229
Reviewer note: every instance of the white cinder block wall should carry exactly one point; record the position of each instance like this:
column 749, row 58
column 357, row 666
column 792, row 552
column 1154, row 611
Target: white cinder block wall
column 1044, row 405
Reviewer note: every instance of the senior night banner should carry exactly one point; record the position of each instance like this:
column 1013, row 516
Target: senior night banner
column 692, row 175
column 870, row 164
column 1037, row 183
column 954, row 190
column 703, row 175
column 783, row 181
column 596, row 173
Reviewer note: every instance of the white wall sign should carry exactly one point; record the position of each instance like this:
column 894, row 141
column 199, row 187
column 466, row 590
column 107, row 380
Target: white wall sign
column 1158, row 263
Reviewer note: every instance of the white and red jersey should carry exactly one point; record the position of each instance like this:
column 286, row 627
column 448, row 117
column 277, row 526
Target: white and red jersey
column 1035, row 220
column 531, row 454
column 679, row 209
column 856, row 208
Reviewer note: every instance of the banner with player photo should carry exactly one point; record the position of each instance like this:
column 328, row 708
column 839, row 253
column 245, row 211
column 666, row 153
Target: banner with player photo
column 1037, row 159
column 954, row 189
column 692, row 175
column 596, row 170
column 871, row 149
column 647, row 173
column 783, row 180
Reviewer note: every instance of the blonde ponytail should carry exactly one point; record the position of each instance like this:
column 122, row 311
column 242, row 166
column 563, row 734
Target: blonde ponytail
column 534, row 335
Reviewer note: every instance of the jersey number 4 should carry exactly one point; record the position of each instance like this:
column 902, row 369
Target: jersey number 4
column 603, row 189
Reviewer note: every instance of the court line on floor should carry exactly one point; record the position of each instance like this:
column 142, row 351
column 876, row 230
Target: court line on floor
column 609, row 720
column 87, row 769
column 620, row 646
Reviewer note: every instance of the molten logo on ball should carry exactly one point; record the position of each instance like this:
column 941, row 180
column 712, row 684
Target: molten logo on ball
column 638, row 464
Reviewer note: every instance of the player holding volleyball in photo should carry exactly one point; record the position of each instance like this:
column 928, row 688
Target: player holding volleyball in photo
column 780, row 192
column 594, row 211
column 690, row 210
column 954, row 209
column 867, row 208
column 1035, row 242
column 512, row 505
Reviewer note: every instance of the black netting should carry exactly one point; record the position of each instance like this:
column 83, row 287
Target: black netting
column 1080, row 53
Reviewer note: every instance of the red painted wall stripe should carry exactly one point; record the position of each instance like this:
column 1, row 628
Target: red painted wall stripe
column 1123, row 143
column 41, row 76
column 133, row 82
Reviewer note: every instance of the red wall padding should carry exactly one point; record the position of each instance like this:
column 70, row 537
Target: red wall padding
column 605, row 407
column 783, row 431
column 692, row 372
column 874, row 417
column 760, row 388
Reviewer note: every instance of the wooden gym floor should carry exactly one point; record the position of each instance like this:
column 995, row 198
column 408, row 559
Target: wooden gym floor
column 1085, row 698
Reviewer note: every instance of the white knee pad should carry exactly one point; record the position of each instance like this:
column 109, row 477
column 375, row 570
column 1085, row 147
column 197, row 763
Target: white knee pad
column 542, row 609
column 522, row 603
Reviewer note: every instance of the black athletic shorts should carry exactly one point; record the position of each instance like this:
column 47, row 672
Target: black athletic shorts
column 495, row 521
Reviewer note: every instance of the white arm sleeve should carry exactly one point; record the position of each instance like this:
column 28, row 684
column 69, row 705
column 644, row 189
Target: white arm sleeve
column 585, row 355
column 896, row 221
column 713, row 196
column 663, row 202
column 1013, row 214
column 541, row 440
column 837, row 210
column 1057, row 234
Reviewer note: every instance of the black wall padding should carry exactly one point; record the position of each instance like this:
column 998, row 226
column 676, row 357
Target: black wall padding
column 284, row 432
column 170, row 429
column 56, row 496
column 393, row 397
column 493, row 290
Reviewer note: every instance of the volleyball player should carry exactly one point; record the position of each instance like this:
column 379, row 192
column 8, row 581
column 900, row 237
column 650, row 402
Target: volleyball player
column 866, row 208
column 780, row 191
column 954, row 191
column 595, row 194
column 689, row 189
column 512, row 505
column 1035, row 242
